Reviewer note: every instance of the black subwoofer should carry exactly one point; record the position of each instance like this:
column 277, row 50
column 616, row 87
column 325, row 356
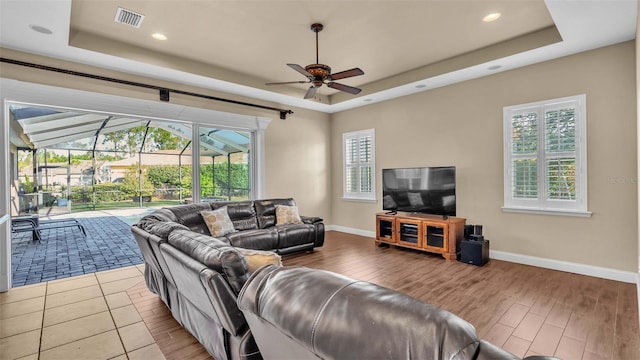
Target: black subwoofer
column 474, row 252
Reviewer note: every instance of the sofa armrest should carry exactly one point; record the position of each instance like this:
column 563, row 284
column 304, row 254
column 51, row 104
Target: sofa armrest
column 319, row 229
column 310, row 219
column 162, row 229
column 224, row 302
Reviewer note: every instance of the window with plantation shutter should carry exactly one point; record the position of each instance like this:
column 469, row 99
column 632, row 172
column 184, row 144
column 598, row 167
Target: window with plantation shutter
column 358, row 159
column 545, row 157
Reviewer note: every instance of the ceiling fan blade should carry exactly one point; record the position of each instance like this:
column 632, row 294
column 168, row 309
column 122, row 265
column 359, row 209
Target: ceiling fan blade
column 311, row 92
column 288, row 82
column 346, row 74
column 345, row 88
column 301, row 70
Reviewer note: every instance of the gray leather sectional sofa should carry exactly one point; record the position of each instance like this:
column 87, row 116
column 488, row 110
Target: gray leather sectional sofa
column 336, row 317
column 286, row 312
column 199, row 277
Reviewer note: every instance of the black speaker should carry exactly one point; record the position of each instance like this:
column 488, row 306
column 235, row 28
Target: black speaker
column 475, row 237
column 474, row 252
column 468, row 230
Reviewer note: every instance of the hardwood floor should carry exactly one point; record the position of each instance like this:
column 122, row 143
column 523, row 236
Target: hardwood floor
column 523, row 309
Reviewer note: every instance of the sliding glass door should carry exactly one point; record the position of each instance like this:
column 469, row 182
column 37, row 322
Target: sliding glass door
column 75, row 161
column 224, row 165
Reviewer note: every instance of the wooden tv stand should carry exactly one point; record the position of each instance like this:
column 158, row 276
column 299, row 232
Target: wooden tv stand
column 422, row 232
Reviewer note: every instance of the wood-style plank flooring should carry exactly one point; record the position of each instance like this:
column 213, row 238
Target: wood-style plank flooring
column 523, row 309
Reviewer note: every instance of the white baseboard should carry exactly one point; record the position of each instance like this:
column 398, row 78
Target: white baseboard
column 583, row 269
column 590, row 270
column 638, row 287
column 348, row 230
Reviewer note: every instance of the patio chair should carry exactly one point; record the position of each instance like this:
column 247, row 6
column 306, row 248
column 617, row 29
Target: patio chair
column 35, row 225
column 24, row 224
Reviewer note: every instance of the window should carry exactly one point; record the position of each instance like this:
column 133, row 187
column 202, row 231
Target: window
column 359, row 166
column 545, row 162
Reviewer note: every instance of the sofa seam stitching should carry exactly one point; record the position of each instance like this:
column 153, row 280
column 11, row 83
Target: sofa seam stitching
column 324, row 305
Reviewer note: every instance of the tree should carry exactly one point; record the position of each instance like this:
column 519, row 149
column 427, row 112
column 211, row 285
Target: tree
column 115, row 137
column 222, row 183
column 165, row 140
column 134, row 138
column 131, row 182
column 167, row 175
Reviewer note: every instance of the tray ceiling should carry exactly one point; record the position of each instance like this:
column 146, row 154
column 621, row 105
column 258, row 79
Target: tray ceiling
column 236, row 46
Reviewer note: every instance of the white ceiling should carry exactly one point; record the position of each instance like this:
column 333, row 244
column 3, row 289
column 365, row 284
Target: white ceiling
column 237, row 46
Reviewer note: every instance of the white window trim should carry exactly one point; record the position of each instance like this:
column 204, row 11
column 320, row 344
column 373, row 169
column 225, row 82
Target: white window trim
column 542, row 205
column 359, row 196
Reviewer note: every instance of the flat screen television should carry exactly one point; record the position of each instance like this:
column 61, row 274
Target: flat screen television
column 430, row 190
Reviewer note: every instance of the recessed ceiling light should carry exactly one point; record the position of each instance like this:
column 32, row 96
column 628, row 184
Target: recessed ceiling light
column 159, row 36
column 421, row 86
column 41, row 29
column 492, row 17
column 494, row 67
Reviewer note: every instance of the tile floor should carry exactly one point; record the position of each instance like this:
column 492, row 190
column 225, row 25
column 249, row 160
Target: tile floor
column 84, row 317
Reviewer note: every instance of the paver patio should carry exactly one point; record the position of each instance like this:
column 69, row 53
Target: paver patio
column 65, row 252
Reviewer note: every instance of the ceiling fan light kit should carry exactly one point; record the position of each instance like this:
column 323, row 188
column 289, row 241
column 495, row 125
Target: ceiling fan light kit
column 320, row 74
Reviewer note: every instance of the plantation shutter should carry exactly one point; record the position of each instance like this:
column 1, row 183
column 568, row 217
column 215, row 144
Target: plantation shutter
column 359, row 165
column 524, row 154
column 560, row 153
column 545, row 156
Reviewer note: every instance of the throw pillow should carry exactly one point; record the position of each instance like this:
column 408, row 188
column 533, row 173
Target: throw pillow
column 218, row 221
column 415, row 199
column 257, row 258
column 287, row 215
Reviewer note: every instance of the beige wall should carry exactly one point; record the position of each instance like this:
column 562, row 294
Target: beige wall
column 638, row 137
column 298, row 162
column 461, row 125
column 297, row 155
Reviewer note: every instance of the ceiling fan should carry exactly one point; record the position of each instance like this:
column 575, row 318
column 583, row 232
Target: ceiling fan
column 319, row 74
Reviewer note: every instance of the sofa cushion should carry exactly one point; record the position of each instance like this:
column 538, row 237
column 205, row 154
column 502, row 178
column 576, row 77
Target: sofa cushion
column 214, row 253
column 257, row 258
column 218, row 221
column 241, row 213
column 295, row 234
column 189, row 216
column 287, row 215
column 266, row 210
column 259, row 239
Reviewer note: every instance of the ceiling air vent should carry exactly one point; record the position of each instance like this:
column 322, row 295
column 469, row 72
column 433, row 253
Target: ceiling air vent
column 128, row 17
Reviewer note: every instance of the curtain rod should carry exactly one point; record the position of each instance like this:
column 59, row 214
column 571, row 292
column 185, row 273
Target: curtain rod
column 163, row 91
